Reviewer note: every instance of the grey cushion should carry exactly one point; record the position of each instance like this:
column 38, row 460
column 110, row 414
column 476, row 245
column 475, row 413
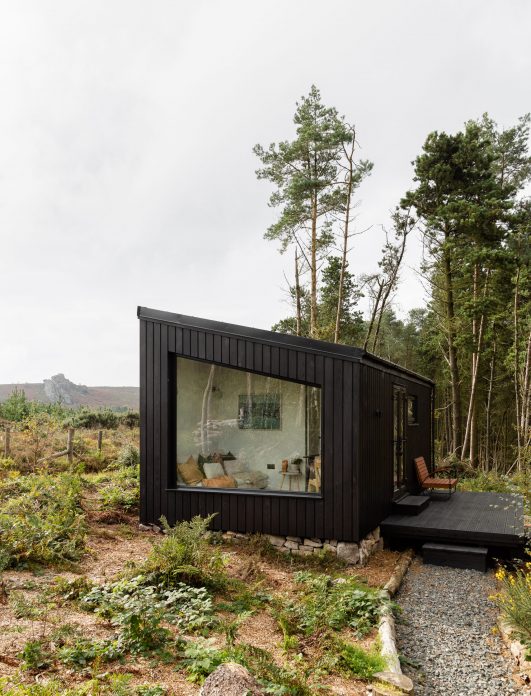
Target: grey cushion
column 234, row 467
column 213, row 469
column 252, row 479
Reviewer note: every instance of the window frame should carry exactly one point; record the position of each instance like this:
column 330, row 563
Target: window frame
column 414, row 400
column 173, row 486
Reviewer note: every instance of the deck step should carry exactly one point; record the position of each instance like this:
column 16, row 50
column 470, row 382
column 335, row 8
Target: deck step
column 411, row 504
column 470, row 557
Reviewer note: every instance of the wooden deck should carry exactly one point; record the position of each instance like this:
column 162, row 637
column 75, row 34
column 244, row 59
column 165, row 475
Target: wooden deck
column 495, row 520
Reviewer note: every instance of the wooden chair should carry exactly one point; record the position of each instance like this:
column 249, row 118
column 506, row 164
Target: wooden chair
column 429, row 481
column 314, row 484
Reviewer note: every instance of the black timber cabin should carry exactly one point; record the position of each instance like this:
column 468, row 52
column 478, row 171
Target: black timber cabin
column 277, row 434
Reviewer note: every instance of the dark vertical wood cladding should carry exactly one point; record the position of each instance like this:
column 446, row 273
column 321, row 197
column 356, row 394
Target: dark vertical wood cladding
column 376, row 445
column 419, row 436
column 376, row 441
column 356, row 435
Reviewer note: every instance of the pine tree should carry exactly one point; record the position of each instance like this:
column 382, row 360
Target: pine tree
column 314, row 181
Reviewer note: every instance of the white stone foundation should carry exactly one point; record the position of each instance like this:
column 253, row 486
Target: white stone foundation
column 351, row 553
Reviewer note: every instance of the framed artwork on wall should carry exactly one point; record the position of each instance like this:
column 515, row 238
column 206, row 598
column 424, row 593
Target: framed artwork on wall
column 259, row 412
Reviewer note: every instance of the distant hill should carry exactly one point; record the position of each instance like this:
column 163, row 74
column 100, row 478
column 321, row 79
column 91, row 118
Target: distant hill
column 59, row 389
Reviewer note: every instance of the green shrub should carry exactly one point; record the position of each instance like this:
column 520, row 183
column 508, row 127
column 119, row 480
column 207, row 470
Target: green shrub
column 93, row 418
column 122, row 489
column 188, row 608
column 131, row 419
column 185, row 553
column 71, row 590
column 118, row 497
column 244, row 597
column 48, row 688
column 40, row 429
column 519, row 482
column 103, row 685
column 16, row 407
column 200, row 658
column 325, row 603
column 7, row 464
column 84, row 652
column 129, row 456
column 514, row 600
column 359, row 662
column 41, row 520
column 296, row 677
column 138, row 609
column 22, row 607
column 35, row 655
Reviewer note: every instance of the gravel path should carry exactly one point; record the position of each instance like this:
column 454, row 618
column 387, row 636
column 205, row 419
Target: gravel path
column 446, row 632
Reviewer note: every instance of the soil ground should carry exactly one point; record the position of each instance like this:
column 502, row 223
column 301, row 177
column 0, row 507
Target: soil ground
column 113, row 547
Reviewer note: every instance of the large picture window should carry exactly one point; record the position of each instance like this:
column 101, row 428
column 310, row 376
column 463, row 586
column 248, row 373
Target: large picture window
column 238, row 429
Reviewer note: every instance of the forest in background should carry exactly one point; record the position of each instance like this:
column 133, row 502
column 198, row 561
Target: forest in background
column 469, row 202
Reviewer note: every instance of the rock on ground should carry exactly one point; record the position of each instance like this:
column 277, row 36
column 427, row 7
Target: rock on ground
column 445, row 633
column 231, row 679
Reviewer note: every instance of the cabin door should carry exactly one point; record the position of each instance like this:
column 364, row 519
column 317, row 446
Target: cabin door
column 399, row 439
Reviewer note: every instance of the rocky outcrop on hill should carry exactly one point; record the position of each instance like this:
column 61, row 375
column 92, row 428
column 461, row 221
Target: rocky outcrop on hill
column 60, row 390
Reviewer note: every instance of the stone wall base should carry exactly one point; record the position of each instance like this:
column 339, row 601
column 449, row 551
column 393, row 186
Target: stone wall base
column 351, row 553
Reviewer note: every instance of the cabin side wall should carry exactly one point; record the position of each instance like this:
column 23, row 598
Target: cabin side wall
column 334, row 515
column 419, row 436
column 376, row 440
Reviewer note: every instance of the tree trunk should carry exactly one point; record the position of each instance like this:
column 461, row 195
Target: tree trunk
column 516, row 365
column 349, row 183
column 298, row 294
column 205, row 408
column 526, row 394
column 313, row 271
column 488, row 407
column 477, row 337
column 373, row 318
column 387, row 290
column 452, row 356
column 389, row 281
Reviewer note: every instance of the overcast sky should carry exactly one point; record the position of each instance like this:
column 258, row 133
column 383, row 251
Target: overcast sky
column 126, row 170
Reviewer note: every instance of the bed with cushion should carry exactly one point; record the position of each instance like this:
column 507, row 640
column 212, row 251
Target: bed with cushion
column 244, row 478
column 219, row 471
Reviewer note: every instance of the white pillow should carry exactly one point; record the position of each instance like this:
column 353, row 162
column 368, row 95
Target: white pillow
column 213, row 469
column 233, row 466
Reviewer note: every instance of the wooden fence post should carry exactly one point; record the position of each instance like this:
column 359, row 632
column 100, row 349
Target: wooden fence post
column 7, row 442
column 70, row 445
column 100, row 439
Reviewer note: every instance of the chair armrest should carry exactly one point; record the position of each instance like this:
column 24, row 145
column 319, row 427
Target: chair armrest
column 452, row 470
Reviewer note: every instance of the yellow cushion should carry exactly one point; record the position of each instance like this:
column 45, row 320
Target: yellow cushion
column 189, row 471
column 220, row 482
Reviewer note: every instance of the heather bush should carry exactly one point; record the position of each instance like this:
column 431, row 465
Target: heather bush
column 84, row 417
column 131, row 419
column 129, row 456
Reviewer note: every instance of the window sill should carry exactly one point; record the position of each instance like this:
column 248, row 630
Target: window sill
column 249, row 492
